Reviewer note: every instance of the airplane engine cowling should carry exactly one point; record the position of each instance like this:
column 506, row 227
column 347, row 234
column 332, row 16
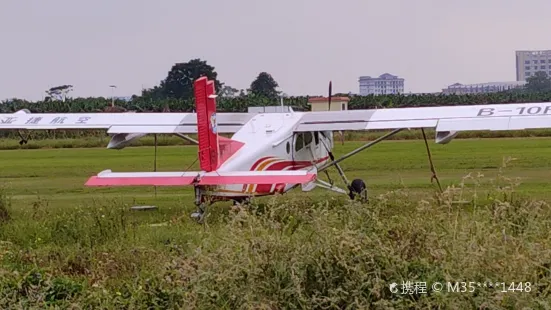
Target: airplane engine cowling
column 122, row 140
column 444, row 137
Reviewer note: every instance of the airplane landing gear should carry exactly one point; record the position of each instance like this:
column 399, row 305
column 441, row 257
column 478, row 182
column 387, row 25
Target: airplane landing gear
column 358, row 189
column 240, row 204
column 23, row 140
column 199, row 215
column 241, row 201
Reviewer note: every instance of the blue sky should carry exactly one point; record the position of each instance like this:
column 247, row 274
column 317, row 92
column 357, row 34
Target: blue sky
column 302, row 43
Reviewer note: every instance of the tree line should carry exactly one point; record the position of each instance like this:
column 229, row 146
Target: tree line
column 175, row 94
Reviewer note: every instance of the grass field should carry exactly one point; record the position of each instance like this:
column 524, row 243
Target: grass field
column 63, row 244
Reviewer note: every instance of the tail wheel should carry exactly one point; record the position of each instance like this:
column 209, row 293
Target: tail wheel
column 358, row 189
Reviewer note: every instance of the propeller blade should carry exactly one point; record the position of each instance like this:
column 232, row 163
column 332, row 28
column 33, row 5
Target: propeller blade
column 330, row 92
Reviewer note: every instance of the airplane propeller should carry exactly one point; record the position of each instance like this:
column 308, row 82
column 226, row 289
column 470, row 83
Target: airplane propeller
column 329, row 109
column 357, row 186
column 330, row 92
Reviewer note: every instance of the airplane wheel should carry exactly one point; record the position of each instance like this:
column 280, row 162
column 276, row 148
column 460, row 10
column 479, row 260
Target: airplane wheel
column 241, row 201
column 358, row 189
column 241, row 204
column 199, row 215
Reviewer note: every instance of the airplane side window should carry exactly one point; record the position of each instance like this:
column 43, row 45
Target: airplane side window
column 299, row 142
column 316, row 137
column 307, row 138
column 288, row 147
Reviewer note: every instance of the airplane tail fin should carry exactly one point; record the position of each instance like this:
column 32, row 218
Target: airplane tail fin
column 209, row 150
column 214, row 150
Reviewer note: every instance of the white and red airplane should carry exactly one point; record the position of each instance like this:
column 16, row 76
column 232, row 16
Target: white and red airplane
column 269, row 153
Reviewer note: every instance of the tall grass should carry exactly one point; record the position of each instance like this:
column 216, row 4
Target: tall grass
column 285, row 253
column 5, row 204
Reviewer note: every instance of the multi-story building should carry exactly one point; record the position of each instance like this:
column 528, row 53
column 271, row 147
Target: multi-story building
column 490, row 87
column 530, row 62
column 384, row 84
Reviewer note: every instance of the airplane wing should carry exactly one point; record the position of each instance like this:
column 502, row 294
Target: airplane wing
column 120, row 122
column 123, row 127
column 109, row 178
column 443, row 119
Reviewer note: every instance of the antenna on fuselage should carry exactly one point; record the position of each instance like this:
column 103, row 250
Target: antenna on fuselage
column 282, row 105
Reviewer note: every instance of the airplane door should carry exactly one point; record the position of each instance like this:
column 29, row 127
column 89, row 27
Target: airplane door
column 304, row 147
column 298, row 145
column 317, row 148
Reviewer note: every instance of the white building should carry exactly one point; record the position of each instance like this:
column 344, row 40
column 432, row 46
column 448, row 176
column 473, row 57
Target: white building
column 530, row 62
column 479, row 88
column 384, row 84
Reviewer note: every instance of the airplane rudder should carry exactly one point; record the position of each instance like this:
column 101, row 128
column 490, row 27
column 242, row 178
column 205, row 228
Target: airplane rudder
column 213, row 128
column 201, row 92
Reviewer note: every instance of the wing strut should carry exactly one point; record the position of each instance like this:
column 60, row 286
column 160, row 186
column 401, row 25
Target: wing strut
column 187, row 138
column 354, row 152
column 332, row 157
column 336, row 162
column 434, row 176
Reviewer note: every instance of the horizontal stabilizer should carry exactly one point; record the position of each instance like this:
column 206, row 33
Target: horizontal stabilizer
column 257, row 177
column 108, row 178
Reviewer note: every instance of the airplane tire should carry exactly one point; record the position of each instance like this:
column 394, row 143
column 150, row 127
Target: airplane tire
column 241, row 201
column 358, row 189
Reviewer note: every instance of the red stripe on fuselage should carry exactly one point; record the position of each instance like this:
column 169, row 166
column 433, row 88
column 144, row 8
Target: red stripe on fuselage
column 258, row 162
column 255, row 165
column 291, row 165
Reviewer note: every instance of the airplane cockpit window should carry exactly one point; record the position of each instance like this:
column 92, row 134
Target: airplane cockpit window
column 316, row 137
column 307, row 138
column 288, row 147
column 299, row 142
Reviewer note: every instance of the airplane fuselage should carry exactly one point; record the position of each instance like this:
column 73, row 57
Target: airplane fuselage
column 269, row 145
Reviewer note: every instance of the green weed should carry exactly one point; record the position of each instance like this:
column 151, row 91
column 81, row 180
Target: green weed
column 5, row 204
column 287, row 253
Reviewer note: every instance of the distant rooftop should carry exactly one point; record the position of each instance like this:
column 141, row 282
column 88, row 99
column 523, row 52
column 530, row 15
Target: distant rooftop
column 511, row 83
column 325, row 99
column 384, row 76
column 536, row 52
column 125, row 98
